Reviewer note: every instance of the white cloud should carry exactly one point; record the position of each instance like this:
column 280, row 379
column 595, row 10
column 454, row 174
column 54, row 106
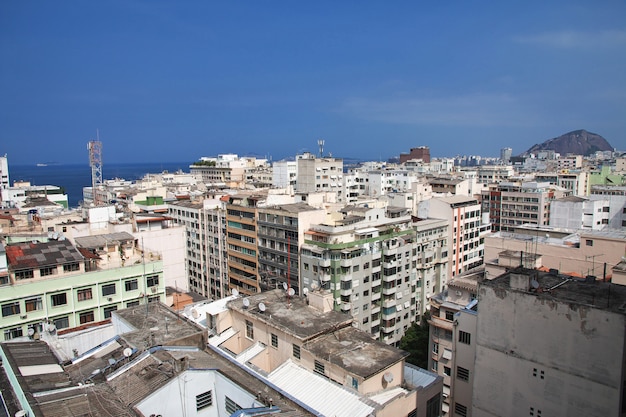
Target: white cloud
column 574, row 39
column 470, row 110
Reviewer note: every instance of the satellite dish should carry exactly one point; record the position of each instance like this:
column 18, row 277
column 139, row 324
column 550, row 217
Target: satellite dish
column 235, row 292
column 31, row 331
column 111, row 361
column 314, row 286
column 51, row 327
column 128, row 352
column 194, row 313
column 261, row 307
column 246, row 303
column 388, row 377
column 534, row 283
column 291, row 292
column 285, row 286
column 305, row 291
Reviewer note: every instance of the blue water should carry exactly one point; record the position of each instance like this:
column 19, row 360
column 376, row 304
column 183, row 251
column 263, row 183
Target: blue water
column 72, row 178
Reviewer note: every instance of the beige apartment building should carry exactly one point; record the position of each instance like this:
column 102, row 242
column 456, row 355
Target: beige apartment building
column 580, row 253
column 452, row 343
column 310, row 351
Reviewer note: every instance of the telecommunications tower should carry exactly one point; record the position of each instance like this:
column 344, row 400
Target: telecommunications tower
column 95, row 162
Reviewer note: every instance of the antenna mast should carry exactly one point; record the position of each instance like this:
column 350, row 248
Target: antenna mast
column 320, row 143
column 95, row 162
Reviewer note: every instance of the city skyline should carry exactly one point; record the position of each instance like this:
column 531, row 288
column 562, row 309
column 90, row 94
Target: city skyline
column 163, row 81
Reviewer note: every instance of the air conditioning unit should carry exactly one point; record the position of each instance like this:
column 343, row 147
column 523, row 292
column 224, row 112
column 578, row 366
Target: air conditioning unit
column 153, row 289
column 109, row 298
column 23, row 316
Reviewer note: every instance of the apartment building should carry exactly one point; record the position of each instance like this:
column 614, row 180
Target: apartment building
column 56, row 285
column 453, row 316
column 575, row 213
column 205, row 257
column 576, row 181
column 380, row 267
column 465, row 232
column 511, row 204
column 284, row 174
column 320, row 175
column 313, row 354
column 224, row 171
column 280, row 233
column 241, row 242
column 549, row 345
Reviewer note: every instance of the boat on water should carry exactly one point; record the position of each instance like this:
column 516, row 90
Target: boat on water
column 42, row 165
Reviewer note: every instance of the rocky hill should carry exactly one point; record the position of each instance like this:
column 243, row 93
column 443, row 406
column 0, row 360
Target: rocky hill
column 578, row 142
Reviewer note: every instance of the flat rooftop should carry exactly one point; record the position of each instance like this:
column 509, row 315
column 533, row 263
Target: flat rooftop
column 292, row 315
column 597, row 294
column 355, row 351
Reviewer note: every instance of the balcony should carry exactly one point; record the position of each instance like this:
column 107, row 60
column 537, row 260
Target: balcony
column 376, row 296
column 375, row 308
column 346, row 292
column 346, row 262
column 325, row 277
column 324, row 262
column 389, row 291
column 377, row 283
column 346, row 306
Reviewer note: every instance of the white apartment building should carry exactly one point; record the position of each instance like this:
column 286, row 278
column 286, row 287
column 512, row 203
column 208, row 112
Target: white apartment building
column 320, row 175
column 380, row 267
column 575, row 213
column 4, row 173
column 466, row 229
column 284, row 174
column 205, row 255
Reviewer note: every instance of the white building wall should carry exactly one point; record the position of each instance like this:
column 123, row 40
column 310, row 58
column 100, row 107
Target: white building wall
column 170, row 244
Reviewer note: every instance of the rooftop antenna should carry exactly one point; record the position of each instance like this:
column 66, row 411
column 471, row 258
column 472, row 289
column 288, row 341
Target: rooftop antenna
column 320, row 143
column 95, row 162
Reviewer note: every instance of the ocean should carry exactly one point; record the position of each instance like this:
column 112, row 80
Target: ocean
column 72, row 178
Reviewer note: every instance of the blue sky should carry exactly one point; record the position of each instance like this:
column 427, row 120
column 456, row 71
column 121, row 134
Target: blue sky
column 174, row 81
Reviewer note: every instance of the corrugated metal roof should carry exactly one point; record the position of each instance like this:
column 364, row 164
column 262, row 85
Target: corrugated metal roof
column 385, row 396
column 318, row 392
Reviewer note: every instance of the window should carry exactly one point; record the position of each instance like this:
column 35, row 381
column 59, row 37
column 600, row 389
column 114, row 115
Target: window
column 48, row 270
column 58, row 299
column 108, row 289
column 435, row 348
column 108, row 311
column 84, row 294
column 296, row 351
column 204, row 400
column 152, row 281
column 33, row 304
column 462, row 373
column 249, row 330
column 231, row 406
column 132, row 304
column 86, row 317
column 588, row 242
column 13, row 333
column 435, row 366
column 447, row 371
column 74, row 266
column 319, row 367
column 460, row 410
column 433, row 406
column 61, row 322
column 274, row 340
column 449, row 315
column 131, row 285
column 465, row 337
column 10, row 309
column 24, row 274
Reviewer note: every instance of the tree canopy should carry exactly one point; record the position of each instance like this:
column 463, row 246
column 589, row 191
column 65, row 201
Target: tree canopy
column 415, row 341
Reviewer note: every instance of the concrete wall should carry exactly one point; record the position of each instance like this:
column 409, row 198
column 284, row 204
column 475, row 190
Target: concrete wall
column 557, row 357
